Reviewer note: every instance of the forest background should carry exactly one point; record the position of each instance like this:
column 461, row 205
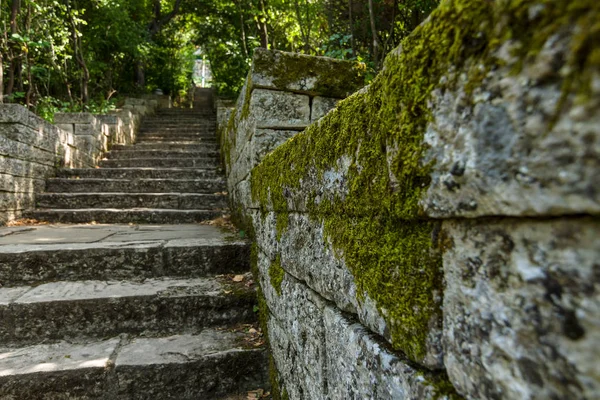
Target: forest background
column 75, row 55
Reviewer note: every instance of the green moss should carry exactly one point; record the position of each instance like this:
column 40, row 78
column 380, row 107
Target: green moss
column 334, row 78
column 276, row 274
column 394, row 257
column 443, row 388
column 282, row 223
column 247, row 97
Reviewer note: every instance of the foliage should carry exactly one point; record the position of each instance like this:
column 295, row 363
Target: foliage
column 83, row 52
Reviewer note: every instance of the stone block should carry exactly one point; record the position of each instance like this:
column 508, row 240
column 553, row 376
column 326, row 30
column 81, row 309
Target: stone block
column 48, row 137
column 26, row 169
column 359, row 366
column 16, row 201
column 14, row 114
column 74, row 118
column 296, row 335
column 26, row 152
column 512, row 151
column 266, row 140
column 135, row 102
column 316, row 76
column 321, row 106
column 11, row 183
column 273, row 109
column 521, row 308
column 67, row 127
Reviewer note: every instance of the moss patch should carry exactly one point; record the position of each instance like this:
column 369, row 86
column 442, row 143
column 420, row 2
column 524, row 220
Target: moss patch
column 276, row 274
column 314, row 75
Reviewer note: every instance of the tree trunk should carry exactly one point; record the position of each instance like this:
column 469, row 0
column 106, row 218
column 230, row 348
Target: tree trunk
column 374, row 34
column 1, row 79
column 14, row 62
column 264, row 34
column 351, row 23
column 140, row 77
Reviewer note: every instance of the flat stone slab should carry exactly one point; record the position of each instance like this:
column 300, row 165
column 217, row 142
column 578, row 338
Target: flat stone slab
column 207, row 365
column 171, row 201
column 121, row 216
column 110, row 252
column 97, row 309
column 62, row 356
column 107, row 233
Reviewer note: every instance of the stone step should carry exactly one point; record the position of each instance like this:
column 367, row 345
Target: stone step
column 166, row 124
column 84, row 310
column 161, row 162
column 198, row 133
column 170, row 201
column 189, row 146
column 172, row 138
column 209, row 365
column 138, row 153
column 87, row 185
column 185, row 112
column 120, row 216
column 31, row 255
column 181, row 118
column 140, row 173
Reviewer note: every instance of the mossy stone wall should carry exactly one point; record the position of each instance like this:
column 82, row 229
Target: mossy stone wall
column 443, row 219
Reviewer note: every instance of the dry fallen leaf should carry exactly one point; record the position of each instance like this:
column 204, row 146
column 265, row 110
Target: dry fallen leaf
column 238, row 278
column 25, row 222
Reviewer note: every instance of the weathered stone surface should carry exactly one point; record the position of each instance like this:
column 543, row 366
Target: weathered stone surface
column 16, row 201
column 25, row 169
column 10, row 183
column 96, row 252
column 126, row 216
column 139, row 173
column 97, row 309
column 74, row 118
column 273, row 109
column 521, row 308
column 162, row 153
column 321, row 106
column 83, row 185
column 58, row 371
column 22, row 151
column 160, row 162
column 266, row 140
column 360, row 367
column 208, row 365
column 179, row 201
column 305, row 74
column 305, row 254
column 49, row 138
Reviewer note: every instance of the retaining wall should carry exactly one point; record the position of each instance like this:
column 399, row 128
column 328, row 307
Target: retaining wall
column 436, row 235
column 32, row 149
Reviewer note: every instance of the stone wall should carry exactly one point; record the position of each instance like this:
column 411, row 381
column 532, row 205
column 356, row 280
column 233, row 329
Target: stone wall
column 437, row 234
column 283, row 94
column 32, row 149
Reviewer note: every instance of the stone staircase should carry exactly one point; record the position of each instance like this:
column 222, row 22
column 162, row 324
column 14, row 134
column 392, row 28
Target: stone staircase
column 141, row 304
column 169, row 176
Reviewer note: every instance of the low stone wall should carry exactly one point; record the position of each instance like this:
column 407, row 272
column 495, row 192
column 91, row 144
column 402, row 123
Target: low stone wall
column 437, row 234
column 283, row 94
column 31, row 149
